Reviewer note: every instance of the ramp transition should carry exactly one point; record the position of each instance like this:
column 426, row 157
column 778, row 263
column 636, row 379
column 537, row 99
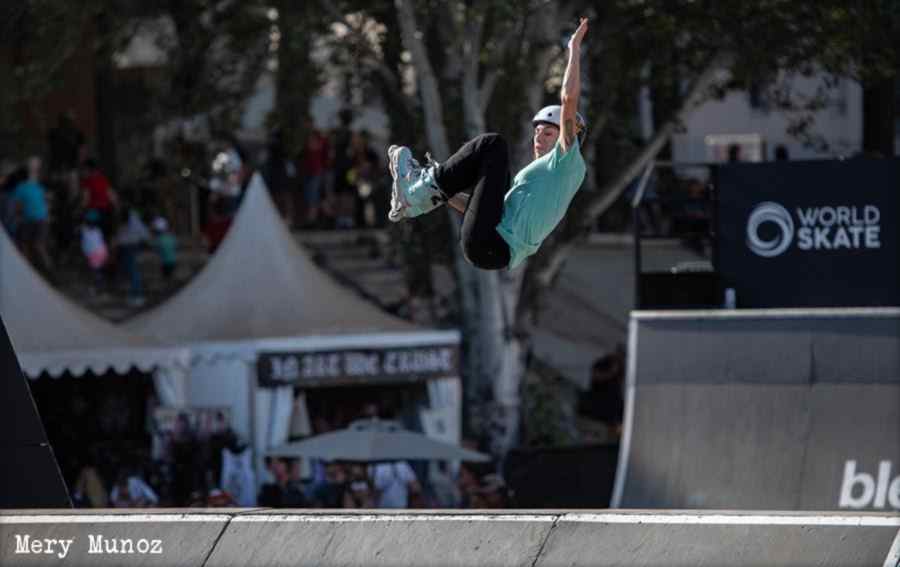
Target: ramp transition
column 256, row 538
column 762, row 409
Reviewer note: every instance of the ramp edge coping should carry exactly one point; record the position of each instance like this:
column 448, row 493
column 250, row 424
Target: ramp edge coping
column 683, row 518
column 782, row 313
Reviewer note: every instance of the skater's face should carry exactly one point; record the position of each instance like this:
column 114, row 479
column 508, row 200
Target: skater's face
column 545, row 136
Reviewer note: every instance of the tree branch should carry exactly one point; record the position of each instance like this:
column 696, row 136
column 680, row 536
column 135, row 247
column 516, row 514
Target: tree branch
column 428, row 86
column 495, row 64
column 471, row 49
column 390, row 78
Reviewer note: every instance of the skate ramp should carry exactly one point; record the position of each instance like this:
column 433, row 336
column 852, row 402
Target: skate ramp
column 29, row 475
column 762, row 409
column 224, row 538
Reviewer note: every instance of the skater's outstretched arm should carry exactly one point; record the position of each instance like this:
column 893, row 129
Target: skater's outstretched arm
column 571, row 88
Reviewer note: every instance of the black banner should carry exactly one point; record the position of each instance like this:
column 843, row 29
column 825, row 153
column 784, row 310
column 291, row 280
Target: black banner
column 810, row 234
column 357, row 366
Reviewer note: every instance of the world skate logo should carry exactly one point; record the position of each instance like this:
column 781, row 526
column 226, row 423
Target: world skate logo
column 771, row 228
column 770, row 213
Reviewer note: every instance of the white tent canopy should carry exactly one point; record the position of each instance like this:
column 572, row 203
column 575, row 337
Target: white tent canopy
column 260, row 284
column 261, row 293
column 52, row 334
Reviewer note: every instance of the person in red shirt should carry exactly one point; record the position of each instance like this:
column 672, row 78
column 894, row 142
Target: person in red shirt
column 314, row 162
column 99, row 196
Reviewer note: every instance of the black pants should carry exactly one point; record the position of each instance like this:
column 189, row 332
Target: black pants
column 481, row 165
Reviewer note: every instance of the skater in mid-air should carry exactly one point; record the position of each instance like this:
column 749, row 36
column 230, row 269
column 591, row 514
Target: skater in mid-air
column 502, row 223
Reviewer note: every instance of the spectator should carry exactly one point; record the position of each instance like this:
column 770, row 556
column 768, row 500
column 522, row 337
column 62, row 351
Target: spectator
column 781, row 153
column 734, row 153
column 395, row 484
column 494, row 492
column 445, row 492
column 10, row 176
column 281, row 177
column 343, row 163
column 218, row 221
column 167, row 247
column 221, row 437
column 230, row 173
column 364, row 175
column 64, row 140
column 218, row 498
column 89, row 491
column 185, row 463
column 314, row 162
column 167, row 187
column 285, row 490
column 360, row 492
column 604, row 401
column 66, row 213
column 469, row 487
column 294, row 495
column 330, row 493
column 237, row 476
column 131, row 491
column 99, row 196
column 130, row 238
column 693, row 217
column 30, row 201
column 94, row 247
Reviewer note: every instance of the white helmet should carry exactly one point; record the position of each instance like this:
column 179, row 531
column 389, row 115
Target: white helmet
column 552, row 114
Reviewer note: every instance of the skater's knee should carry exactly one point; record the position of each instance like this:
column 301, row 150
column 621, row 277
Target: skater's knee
column 493, row 140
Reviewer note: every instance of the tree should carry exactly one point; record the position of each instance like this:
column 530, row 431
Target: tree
column 214, row 55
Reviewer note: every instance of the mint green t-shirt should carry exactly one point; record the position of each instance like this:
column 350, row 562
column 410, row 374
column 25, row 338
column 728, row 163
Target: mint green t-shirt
column 540, row 195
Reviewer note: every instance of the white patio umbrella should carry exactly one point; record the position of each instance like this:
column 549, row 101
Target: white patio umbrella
column 373, row 441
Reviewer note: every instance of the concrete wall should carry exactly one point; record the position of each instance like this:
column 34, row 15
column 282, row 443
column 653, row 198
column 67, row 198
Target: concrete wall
column 247, row 537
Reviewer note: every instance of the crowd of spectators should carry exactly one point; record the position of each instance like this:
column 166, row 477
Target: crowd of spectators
column 64, row 212
column 67, row 214
column 216, row 471
column 335, row 180
column 387, row 485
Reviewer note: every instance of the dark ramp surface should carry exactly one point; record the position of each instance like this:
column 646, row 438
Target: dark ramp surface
column 762, row 409
column 224, row 538
column 29, row 474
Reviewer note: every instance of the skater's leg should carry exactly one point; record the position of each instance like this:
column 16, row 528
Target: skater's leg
column 417, row 190
column 484, row 157
column 482, row 165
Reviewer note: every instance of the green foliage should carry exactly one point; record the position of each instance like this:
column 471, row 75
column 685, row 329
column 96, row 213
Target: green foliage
column 215, row 57
column 548, row 418
column 299, row 77
column 39, row 40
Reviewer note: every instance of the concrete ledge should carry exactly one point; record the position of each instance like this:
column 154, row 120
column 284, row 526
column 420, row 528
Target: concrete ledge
column 226, row 537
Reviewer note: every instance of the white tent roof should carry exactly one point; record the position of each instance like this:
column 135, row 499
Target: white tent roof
column 261, row 285
column 50, row 333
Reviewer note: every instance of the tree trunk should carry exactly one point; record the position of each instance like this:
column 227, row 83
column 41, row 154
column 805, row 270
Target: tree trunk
column 435, row 131
column 297, row 79
column 494, row 358
column 106, row 107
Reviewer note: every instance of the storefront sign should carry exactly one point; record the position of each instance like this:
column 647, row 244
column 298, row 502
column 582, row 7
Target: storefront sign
column 362, row 365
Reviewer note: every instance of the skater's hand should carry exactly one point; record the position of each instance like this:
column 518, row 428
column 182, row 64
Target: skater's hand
column 575, row 40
